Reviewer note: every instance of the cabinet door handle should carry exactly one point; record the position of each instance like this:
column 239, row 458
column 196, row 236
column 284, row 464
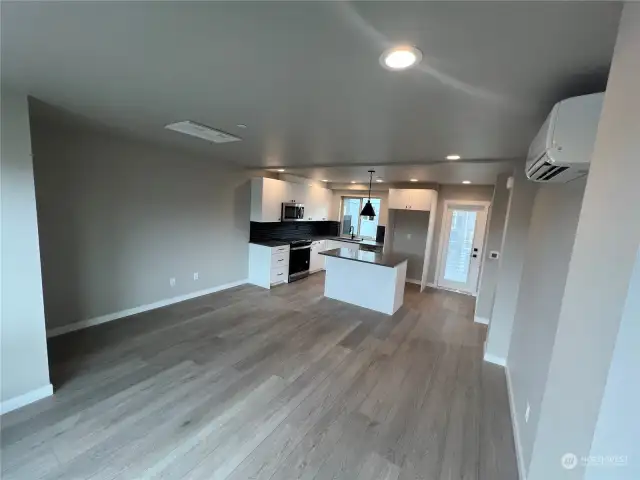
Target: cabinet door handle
column 281, row 260
column 280, row 274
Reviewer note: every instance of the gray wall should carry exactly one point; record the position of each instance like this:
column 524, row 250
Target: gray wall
column 546, row 261
column 22, row 330
column 495, row 230
column 510, row 268
column 453, row 192
column 618, row 428
column 409, row 238
column 118, row 218
column 600, row 271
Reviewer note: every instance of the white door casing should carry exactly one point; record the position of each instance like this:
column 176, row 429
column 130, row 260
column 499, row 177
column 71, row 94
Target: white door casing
column 460, row 251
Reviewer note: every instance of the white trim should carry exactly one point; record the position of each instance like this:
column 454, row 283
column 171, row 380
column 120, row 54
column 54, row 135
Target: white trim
column 413, row 280
column 54, row 332
column 482, row 320
column 486, row 204
column 26, row 398
column 516, row 430
column 495, row 359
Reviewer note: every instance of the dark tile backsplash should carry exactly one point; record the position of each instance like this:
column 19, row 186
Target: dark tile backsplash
column 260, row 231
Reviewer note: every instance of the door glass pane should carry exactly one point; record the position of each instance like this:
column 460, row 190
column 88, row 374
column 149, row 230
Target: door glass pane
column 463, row 225
column 368, row 227
column 350, row 213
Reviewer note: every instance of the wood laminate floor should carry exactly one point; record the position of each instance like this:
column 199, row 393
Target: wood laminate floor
column 279, row 384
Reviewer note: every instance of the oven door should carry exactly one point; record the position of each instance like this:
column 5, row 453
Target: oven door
column 292, row 212
column 299, row 259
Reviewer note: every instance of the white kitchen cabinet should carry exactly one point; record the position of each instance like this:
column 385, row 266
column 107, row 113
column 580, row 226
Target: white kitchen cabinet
column 268, row 266
column 410, row 199
column 267, row 196
column 317, row 260
column 296, row 193
column 317, row 203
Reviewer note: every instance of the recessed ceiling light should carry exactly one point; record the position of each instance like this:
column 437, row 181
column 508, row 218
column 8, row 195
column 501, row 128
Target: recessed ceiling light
column 241, row 125
column 325, row 180
column 400, row 58
column 453, row 157
column 414, row 179
column 379, row 180
column 353, row 181
column 281, row 169
column 311, row 184
column 466, row 182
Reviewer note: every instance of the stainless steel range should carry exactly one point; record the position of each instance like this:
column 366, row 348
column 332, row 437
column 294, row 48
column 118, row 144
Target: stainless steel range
column 299, row 258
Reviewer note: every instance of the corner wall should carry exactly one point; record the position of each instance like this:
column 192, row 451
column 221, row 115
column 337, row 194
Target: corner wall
column 24, row 364
column 599, row 277
column 490, row 266
column 546, row 261
column 119, row 217
column 513, row 250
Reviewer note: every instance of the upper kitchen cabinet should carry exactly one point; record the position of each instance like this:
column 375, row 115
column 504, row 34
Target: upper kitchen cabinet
column 410, row 199
column 267, row 196
column 317, row 203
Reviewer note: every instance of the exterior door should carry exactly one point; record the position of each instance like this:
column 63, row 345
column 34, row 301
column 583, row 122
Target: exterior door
column 462, row 241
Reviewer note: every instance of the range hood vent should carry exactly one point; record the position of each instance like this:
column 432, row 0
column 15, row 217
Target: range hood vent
column 202, row 131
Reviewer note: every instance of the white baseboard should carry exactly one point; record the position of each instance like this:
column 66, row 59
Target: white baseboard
column 482, row 320
column 412, row 280
column 516, row 429
column 54, row 332
column 26, row 398
column 495, row 359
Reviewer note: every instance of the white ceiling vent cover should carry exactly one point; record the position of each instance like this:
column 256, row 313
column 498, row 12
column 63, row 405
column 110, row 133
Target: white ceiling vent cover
column 202, row 131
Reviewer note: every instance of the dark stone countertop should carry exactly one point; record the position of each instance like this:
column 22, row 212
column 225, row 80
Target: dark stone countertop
column 271, row 243
column 279, row 243
column 385, row 260
column 371, row 243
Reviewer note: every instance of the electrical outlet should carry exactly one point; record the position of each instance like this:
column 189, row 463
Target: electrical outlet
column 526, row 413
column 172, row 282
column 196, row 275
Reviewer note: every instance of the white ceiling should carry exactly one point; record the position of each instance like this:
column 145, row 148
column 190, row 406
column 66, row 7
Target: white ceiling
column 451, row 172
column 305, row 78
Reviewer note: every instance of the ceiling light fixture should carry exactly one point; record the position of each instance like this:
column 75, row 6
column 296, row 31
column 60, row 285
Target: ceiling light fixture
column 453, row 157
column 202, row 131
column 414, row 180
column 400, row 58
column 325, row 180
column 466, row 182
column 281, row 169
column 379, row 180
column 353, row 181
column 368, row 210
column 241, row 125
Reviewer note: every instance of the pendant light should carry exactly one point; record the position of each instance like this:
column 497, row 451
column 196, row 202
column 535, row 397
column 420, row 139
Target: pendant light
column 368, row 211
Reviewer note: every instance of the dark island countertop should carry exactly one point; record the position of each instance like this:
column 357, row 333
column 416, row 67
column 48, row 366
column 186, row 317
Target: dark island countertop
column 383, row 259
column 279, row 243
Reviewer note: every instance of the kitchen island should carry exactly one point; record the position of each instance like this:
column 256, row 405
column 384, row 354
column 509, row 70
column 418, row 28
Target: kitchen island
column 366, row 279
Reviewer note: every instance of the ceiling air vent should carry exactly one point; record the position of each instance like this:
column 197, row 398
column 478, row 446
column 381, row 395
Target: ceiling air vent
column 202, row 131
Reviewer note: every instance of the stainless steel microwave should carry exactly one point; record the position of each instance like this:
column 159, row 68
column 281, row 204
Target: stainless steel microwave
column 292, row 212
